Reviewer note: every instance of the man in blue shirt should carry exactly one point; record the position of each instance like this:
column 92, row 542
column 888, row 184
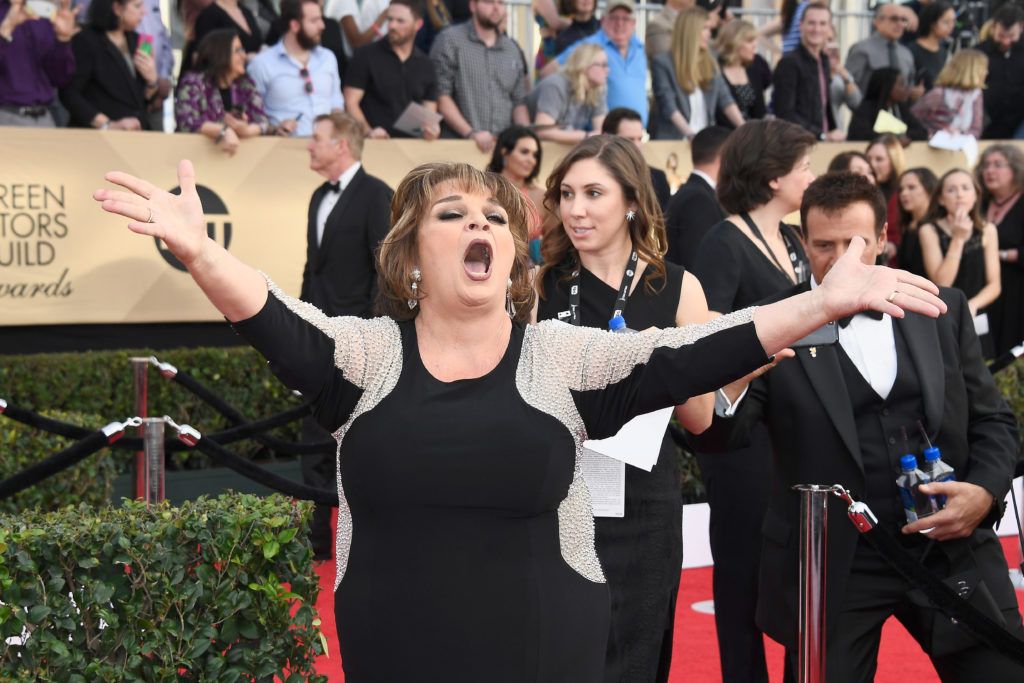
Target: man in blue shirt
column 627, row 63
column 297, row 78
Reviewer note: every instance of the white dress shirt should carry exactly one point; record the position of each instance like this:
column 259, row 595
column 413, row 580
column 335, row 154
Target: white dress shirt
column 330, row 199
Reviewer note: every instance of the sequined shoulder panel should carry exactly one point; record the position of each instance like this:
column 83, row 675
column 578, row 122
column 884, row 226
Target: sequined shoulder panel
column 558, row 358
column 369, row 355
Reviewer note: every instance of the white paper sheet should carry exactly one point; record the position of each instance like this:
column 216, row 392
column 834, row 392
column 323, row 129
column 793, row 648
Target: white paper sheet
column 981, row 324
column 638, row 442
column 956, row 143
column 606, row 480
column 415, row 117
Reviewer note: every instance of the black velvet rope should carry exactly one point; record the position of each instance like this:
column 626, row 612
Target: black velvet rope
column 1002, row 362
column 47, row 424
column 73, row 454
column 269, row 479
column 202, row 392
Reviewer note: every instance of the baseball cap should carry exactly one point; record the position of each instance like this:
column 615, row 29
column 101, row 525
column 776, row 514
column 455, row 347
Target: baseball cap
column 627, row 5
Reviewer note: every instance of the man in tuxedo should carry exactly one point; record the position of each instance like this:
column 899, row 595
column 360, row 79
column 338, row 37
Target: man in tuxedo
column 348, row 217
column 694, row 208
column 845, row 413
column 626, row 123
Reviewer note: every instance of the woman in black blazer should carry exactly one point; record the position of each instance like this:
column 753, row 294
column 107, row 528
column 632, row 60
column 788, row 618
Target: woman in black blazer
column 114, row 76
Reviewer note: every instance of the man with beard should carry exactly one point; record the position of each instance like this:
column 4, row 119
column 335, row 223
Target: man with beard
column 297, row 78
column 481, row 76
column 386, row 75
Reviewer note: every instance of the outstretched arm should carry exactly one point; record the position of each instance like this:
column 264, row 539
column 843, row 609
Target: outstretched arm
column 238, row 291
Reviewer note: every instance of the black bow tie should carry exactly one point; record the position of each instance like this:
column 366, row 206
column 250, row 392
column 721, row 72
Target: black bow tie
column 333, row 187
column 874, row 315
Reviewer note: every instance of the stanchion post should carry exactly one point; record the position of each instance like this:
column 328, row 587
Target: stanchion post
column 153, row 443
column 813, row 544
column 140, row 384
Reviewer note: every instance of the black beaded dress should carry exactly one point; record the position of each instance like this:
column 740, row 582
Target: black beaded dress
column 642, row 552
column 465, row 542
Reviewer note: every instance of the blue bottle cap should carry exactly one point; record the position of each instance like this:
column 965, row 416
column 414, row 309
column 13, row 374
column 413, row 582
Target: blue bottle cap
column 908, row 462
column 932, row 454
column 617, row 323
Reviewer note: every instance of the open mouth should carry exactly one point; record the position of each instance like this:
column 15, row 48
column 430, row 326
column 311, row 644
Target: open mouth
column 477, row 260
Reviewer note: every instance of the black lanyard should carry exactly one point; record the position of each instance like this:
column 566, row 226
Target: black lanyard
column 798, row 265
column 620, row 302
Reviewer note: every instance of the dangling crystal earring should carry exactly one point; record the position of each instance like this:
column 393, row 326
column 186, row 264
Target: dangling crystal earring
column 416, row 278
column 631, row 215
column 509, row 306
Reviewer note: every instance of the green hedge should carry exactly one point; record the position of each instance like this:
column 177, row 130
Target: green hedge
column 90, row 481
column 216, row 590
column 100, row 383
column 1011, row 383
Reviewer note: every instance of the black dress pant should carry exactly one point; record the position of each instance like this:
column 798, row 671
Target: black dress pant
column 319, row 471
column 737, row 483
column 875, row 592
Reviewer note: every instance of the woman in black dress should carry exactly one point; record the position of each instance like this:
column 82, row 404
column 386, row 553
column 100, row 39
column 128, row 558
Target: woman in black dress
column 610, row 241
column 222, row 14
column 747, row 257
column 465, row 541
column 960, row 249
column 1001, row 176
column 914, row 195
column 746, row 73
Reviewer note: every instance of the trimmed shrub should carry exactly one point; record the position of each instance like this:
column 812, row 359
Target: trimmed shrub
column 216, row 590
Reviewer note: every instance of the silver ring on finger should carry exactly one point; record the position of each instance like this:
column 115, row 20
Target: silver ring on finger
column 150, row 218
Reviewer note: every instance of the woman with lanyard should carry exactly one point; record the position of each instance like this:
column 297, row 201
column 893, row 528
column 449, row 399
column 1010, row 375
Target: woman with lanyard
column 747, row 257
column 605, row 258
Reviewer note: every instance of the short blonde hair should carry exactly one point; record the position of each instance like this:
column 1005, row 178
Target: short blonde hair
column 966, row 70
column 730, row 38
column 399, row 251
column 346, row 128
column 575, row 72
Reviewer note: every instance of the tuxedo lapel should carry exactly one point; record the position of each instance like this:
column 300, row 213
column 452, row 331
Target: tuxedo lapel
column 826, row 377
column 923, row 345
column 314, row 206
column 333, row 222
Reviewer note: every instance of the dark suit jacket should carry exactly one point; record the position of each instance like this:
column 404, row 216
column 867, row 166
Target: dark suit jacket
column 796, row 95
column 661, row 187
column 692, row 211
column 103, row 82
column 804, row 403
column 340, row 276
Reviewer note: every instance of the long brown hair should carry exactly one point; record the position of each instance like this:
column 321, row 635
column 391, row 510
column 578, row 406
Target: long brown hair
column 937, row 210
column 624, row 162
column 399, row 251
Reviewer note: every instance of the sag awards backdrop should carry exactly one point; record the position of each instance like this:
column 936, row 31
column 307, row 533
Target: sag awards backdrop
column 64, row 261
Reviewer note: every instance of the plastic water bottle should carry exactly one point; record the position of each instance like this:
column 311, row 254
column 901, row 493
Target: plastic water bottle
column 618, row 325
column 936, row 470
column 916, row 504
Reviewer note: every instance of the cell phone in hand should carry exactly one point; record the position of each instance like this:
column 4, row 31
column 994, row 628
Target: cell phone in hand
column 146, row 44
column 44, row 9
column 823, row 336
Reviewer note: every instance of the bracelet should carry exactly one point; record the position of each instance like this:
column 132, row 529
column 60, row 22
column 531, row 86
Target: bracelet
column 221, row 134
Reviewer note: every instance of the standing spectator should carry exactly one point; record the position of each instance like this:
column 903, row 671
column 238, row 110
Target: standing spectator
column 842, row 89
column 931, row 49
column 219, row 100
column 627, row 64
column 887, row 91
column 688, row 89
column 960, row 248
column 584, row 23
column 915, row 192
column 362, row 21
column 568, row 105
column 35, row 58
column 746, row 73
column 223, row 14
column 551, row 20
column 883, row 49
column 153, row 25
column 1004, row 88
column 481, row 76
column 885, row 153
column 348, row 217
column 113, row 78
column 787, row 25
column 751, row 255
column 626, row 123
column 297, row 78
column 694, row 208
column 1001, row 176
column 801, row 93
column 658, row 36
column 517, row 157
column 955, row 103
column 266, row 16
column 854, row 162
column 387, row 75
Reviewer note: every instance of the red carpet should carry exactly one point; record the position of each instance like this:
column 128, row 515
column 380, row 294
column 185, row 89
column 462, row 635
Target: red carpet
column 695, row 655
